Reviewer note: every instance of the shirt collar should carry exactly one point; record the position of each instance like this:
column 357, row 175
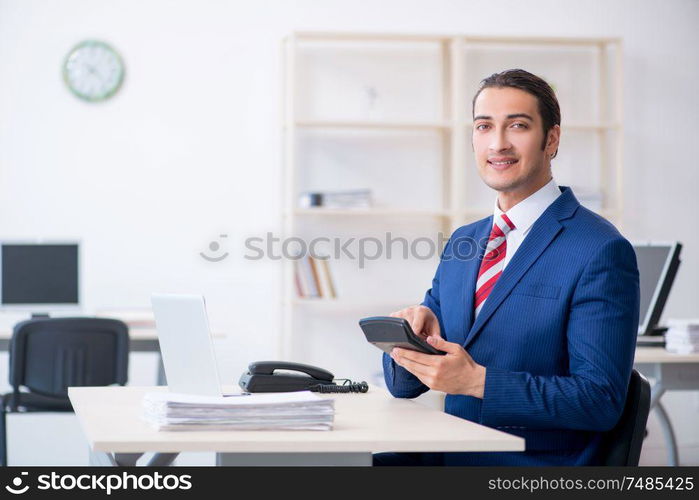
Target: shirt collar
column 524, row 214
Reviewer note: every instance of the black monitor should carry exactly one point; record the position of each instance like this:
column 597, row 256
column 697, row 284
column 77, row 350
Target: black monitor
column 657, row 267
column 44, row 274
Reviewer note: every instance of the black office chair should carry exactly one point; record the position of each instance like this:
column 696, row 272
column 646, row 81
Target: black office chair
column 49, row 355
column 622, row 444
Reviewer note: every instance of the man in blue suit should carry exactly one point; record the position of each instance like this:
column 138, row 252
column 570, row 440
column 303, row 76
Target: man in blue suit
column 536, row 306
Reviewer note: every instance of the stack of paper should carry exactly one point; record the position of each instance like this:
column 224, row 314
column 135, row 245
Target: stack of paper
column 682, row 336
column 302, row 410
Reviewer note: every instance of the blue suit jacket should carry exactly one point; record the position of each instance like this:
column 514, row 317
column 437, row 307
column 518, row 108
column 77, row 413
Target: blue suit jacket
column 557, row 334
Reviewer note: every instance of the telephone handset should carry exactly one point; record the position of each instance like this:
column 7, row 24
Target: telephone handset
column 262, row 376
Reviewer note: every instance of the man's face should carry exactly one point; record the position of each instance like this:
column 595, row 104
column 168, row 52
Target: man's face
column 507, row 141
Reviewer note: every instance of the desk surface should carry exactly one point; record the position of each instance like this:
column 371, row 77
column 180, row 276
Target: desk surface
column 660, row 355
column 111, row 419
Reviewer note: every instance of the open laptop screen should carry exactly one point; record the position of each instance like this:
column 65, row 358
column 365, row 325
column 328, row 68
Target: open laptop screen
column 657, row 266
column 185, row 344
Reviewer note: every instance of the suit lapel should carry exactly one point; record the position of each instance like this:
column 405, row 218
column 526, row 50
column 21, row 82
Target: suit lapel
column 471, row 267
column 542, row 233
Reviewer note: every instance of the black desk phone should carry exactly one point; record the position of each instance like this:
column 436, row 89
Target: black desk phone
column 269, row 376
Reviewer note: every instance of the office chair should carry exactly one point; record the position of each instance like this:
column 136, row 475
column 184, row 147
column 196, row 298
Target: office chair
column 622, row 444
column 49, row 355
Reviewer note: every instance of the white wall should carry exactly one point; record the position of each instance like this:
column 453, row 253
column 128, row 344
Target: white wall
column 190, row 147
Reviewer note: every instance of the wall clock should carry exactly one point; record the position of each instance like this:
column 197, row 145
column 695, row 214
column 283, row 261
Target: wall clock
column 93, row 70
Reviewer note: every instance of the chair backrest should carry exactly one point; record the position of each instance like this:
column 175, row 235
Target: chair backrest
column 623, row 443
column 48, row 355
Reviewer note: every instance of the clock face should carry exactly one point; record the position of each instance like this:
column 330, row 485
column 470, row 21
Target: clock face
column 93, row 71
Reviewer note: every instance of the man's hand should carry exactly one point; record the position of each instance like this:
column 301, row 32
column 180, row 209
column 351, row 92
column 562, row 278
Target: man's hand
column 453, row 373
column 422, row 320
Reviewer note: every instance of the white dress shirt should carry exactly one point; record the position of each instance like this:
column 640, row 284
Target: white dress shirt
column 524, row 214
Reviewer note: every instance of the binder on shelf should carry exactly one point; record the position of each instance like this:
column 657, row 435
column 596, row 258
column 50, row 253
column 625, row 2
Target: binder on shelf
column 307, row 280
column 312, row 278
column 326, row 281
column 358, row 198
column 314, row 275
column 304, row 276
column 297, row 280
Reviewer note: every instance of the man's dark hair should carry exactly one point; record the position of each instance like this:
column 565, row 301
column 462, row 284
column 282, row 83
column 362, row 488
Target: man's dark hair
column 549, row 109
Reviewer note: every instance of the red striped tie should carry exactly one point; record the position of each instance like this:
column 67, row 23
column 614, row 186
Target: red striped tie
column 493, row 260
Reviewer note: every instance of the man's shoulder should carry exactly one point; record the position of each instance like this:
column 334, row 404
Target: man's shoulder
column 589, row 237
column 592, row 227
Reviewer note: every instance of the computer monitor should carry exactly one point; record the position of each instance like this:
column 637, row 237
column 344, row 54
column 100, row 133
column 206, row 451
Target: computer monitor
column 657, row 267
column 39, row 274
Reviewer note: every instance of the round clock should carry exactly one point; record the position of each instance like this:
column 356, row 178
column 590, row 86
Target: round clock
column 93, row 71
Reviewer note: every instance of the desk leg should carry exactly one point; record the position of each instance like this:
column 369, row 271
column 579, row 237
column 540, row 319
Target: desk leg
column 105, row 459
column 102, row 459
column 291, row 459
column 672, row 453
column 162, row 459
column 657, row 392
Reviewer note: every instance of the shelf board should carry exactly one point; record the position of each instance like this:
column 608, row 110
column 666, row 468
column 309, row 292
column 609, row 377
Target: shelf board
column 363, row 212
column 372, row 125
column 578, row 126
column 367, row 37
column 522, row 40
column 353, row 304
column 435, row 37
column 440, row 126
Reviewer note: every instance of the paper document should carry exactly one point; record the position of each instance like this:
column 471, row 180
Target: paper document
column 301, row 410
column 682, row 336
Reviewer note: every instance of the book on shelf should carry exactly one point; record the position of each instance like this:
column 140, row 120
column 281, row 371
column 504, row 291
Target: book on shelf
column 312, row 278
column 297, row 280
column 357, row 198
column 304, row 272
column 314, row 274
column 326, row 280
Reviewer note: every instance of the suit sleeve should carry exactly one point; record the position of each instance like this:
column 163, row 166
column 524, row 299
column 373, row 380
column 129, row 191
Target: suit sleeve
column 601, row 338
column 400, row 382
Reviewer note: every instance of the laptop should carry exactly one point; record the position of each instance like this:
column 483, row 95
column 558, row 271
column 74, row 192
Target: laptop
column 658, row 263
column 185, row 344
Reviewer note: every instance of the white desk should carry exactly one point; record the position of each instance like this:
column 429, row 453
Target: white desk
column 671, row 372
column 364, row 423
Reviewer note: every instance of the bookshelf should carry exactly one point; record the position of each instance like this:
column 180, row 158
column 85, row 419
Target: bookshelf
column 392, row 113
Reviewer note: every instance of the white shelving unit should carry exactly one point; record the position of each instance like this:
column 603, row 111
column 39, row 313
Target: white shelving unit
column 393, row 113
